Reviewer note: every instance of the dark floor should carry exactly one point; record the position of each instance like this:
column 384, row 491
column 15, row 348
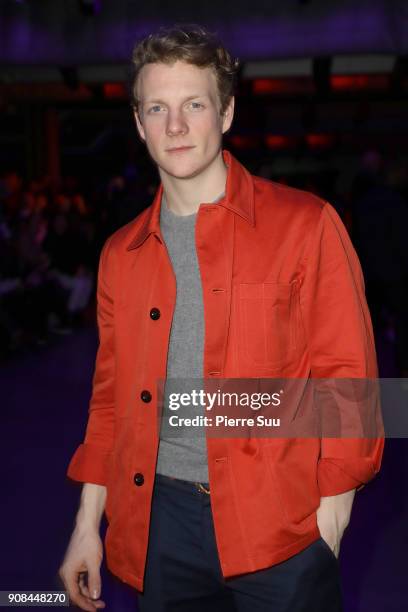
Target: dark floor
column 43, row 416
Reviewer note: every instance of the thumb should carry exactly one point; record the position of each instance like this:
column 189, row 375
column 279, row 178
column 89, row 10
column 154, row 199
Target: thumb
column 94, row 582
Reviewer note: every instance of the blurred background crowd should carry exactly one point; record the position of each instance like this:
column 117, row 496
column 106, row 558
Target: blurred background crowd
column 50, row 239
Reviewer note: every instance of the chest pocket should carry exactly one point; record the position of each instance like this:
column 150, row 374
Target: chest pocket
column 267, row 322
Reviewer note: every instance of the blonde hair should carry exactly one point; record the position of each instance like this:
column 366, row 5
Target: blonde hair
column 188, row 43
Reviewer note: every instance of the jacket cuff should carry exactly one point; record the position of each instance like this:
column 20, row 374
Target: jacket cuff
column 337, row 476
column 90, row 463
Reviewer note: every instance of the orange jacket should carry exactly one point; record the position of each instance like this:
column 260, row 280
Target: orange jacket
column 262, row 240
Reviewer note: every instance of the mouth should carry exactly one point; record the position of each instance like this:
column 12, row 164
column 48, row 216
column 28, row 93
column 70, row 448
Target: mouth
column 179, row 149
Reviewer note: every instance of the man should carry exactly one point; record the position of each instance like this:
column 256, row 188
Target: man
column 225, row 275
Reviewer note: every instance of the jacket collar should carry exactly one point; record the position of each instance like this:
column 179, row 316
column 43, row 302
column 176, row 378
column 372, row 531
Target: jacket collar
column 239, row 198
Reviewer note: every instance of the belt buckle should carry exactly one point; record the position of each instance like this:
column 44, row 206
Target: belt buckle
column 201, row 488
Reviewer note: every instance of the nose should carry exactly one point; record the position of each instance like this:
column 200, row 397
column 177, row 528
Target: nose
column 176, row 123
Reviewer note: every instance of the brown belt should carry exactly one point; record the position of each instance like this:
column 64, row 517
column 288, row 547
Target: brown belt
column 202, row 488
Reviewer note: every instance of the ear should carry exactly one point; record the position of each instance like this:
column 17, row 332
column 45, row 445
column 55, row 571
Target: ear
column 228, row 115
column 139, row 125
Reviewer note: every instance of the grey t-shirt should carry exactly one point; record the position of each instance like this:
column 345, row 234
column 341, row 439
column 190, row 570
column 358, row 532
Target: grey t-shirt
column 183, row 451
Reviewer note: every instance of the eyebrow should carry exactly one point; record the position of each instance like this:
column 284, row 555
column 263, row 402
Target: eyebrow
column 158, row 101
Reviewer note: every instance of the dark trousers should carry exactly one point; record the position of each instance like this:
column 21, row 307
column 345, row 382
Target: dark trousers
column 183, row 572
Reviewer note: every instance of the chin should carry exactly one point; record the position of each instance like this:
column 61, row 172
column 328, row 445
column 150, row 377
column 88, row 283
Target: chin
column 182, row 171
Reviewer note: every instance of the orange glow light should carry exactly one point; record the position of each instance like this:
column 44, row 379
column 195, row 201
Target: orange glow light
column 244, row 141
column 316, row 141
column 359, row 82
column 277, row 141
column 286, row 85
column 114, row 90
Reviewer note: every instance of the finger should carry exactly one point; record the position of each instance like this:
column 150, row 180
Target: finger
column 83, row 587
column 82, row 602
column 94, row 582
column 75, row 595
column 337, row 550
column 84, row 590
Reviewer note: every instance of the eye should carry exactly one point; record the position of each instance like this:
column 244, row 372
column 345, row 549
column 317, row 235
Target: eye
column 196, row 105
column 153, row 110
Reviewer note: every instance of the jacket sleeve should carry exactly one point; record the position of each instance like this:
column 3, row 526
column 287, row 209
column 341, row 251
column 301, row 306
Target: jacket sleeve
column 340, row 338
column 90, row 462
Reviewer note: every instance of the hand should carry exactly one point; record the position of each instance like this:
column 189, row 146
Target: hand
column 82, row 560
column 333, row 516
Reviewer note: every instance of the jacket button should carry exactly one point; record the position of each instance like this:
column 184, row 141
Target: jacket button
column 146, row 396
column 155, row 314
column 138, row 479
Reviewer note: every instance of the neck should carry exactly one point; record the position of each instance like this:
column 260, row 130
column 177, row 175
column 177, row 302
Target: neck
column 184, row 196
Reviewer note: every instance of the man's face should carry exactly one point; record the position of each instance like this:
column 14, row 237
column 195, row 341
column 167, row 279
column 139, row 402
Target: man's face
column 180, row 117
